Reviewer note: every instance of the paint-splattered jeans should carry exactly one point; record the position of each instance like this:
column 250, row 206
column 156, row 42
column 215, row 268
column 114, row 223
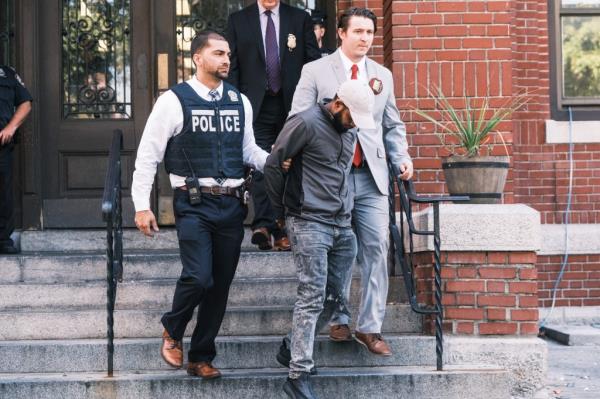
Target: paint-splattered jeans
column 323, row 256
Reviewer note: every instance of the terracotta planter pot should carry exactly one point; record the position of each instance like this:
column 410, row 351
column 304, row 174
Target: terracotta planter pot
column 482, row 177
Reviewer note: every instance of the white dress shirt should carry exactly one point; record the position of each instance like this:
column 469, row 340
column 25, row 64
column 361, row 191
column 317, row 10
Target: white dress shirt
column 166, row 121
column 263, row 23
column 362, row 67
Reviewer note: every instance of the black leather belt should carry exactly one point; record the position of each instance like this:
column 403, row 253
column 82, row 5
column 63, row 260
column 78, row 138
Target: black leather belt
column 219, row 190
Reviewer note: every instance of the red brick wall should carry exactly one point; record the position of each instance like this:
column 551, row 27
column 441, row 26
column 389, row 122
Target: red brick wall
column 495, row 49
column 580, row 285
column 484, row 293
column 461, row 47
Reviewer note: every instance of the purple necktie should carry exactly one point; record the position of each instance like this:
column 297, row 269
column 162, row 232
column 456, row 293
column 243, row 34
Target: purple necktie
column 273, row 68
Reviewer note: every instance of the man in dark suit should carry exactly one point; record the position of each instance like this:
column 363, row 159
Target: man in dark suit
column 270, row 42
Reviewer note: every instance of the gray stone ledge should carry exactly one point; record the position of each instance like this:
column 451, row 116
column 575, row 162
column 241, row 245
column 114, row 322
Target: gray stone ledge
column 481, row 227
column 526, row 359
column 583, row 239
column 557, row 132
column 571, row 315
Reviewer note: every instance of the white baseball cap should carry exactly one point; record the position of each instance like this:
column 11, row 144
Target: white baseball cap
column 360, row 99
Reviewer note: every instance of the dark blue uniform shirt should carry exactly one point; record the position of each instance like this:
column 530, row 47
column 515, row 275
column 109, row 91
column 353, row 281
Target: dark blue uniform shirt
column 12, row 94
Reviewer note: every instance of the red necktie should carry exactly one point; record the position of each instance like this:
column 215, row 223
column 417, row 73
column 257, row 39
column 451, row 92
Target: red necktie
column 357, row 160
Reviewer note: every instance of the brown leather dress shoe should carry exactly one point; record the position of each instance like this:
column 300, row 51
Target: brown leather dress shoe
column 340, row 333
column 262, row 238
column 204, row 370
column 283, row 244
column 374, row 343
column 171, row 351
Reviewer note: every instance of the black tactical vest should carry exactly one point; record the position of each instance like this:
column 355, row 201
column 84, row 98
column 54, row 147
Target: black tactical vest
column 212, row 136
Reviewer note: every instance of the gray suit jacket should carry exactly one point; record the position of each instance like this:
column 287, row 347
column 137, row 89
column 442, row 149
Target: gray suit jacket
column 321, row 78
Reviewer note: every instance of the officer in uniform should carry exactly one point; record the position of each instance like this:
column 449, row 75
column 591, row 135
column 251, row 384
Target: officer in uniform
column 15, row 105
column 318, row 20
column 202, row 128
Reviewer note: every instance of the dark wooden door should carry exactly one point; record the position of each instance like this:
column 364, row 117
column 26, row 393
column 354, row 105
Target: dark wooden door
column 94, row 66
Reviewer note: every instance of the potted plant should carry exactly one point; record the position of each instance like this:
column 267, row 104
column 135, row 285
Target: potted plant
column 466, row 134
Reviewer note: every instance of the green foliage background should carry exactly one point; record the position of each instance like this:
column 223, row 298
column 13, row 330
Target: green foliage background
column 581, row 56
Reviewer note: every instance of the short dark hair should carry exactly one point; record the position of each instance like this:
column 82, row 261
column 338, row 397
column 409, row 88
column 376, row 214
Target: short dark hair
column 344, row 19
column 201, row 39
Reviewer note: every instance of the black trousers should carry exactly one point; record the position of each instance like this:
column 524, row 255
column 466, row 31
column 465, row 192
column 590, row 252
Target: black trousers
column 210, row 236
column 270, row 120
column 7, row 223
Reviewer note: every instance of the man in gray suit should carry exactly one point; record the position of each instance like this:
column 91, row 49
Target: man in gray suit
column 369, row 177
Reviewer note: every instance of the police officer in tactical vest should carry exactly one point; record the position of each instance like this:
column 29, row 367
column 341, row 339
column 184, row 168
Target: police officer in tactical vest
column 15, row 105
column 202, row 128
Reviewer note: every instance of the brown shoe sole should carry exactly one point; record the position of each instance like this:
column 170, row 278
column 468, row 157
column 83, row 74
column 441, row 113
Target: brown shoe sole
column 211, row 377
column 375, row 353
column 282, row 249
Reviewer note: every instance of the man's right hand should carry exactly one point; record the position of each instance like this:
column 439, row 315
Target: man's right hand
column 146, row 222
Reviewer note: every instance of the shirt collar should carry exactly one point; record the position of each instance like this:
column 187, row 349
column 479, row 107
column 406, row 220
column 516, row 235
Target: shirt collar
column 202, row 90
column 362, row 64
column 274, row 11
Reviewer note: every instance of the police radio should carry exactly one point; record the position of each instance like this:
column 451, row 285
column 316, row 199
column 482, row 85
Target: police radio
column 192, row 184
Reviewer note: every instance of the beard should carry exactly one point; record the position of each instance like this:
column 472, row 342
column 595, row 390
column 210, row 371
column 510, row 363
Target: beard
column 221, row 74
column 337, row 122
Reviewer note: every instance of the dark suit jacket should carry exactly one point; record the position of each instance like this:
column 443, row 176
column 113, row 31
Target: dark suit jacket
column 248, row 68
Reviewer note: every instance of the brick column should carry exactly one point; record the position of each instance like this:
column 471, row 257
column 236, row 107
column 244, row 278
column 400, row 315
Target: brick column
column 489, row 277
column 484, row 293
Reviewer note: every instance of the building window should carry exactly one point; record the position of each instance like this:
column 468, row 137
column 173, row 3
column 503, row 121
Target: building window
column 577, row 56
column 96, row 59
column 7, row 30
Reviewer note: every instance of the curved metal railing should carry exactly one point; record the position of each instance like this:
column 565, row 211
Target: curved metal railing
column 112, row 215
column 408, row 196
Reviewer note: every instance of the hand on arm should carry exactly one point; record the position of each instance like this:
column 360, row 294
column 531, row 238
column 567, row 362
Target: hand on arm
column 7, row 134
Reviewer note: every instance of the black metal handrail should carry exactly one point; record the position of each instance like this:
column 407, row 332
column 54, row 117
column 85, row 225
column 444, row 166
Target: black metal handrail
column 407, row 195
column 112, row 215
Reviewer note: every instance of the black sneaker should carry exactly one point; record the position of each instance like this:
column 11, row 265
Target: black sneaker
column 284, row 357
column 299, row 388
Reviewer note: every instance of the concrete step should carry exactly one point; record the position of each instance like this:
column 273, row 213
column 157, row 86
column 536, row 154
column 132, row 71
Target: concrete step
column 145, row 323
column 49, row 356
column 95, row 240
column 74, row 267
column 573, row 335
column 347, row 383
column 153, row 294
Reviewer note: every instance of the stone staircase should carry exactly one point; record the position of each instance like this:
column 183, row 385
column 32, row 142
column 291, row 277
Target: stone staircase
column 53, row 328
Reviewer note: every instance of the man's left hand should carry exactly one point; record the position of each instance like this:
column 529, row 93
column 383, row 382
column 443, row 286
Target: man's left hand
column 406, row 170
column 6, row 135
column 286, row 165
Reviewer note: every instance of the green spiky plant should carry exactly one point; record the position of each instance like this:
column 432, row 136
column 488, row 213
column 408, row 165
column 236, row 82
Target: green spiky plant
column 470, row 126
